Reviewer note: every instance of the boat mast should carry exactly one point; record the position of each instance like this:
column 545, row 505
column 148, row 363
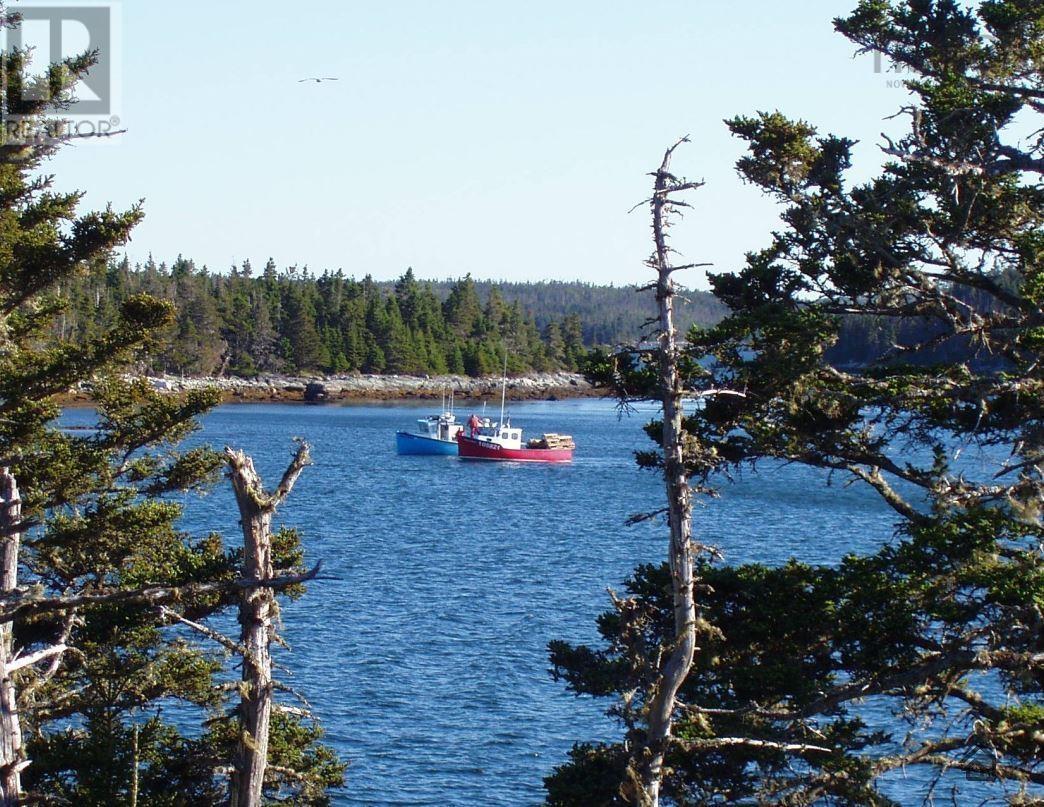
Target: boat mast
column 503, row 391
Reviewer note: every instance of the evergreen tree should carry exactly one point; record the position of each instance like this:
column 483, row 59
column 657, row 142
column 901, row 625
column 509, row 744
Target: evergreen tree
column 462, row 309
column 237, row 321
column 396, row 342
column 355, row 347
column 287, row 321
column 556, row 347
column 455, row 360
column 306, row 348
column 407, row 291
column 437, row 364
column 196, row 345
column 494, row 319
column 97, row 513
column 263, row 336
column 374, row 361
column 942, row 625
column 573, row 338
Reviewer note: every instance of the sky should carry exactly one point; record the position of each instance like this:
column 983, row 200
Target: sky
column 508, row 140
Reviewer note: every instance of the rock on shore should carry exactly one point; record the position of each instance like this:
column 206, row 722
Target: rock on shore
column 537, row 386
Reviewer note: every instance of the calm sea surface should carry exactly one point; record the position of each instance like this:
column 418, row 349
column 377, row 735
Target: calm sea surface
column 425, row 655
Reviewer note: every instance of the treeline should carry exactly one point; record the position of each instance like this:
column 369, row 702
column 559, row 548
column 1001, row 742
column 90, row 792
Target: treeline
column 866, row 339
column 293, row 321
column 290, row 321
column 609, row 314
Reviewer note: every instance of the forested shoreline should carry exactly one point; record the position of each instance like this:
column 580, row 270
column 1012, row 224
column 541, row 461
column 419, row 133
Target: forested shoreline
column 291, row 321
column 364, row 388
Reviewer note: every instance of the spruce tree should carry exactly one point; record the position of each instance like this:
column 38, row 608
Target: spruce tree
column 942, row 625
column 306, row 348
column 462, row 309
column 288, row 320
column 98, row 511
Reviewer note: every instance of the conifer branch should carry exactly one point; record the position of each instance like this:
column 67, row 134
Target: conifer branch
column 26, row 605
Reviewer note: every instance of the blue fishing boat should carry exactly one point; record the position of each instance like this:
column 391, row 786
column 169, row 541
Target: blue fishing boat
column 437, row 434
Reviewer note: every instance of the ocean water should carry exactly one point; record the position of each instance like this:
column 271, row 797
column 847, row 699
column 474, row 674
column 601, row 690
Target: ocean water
column 423, row 650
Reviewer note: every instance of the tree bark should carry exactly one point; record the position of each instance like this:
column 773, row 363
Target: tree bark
column 256, row 612
column 11, row 753
column 647, row 763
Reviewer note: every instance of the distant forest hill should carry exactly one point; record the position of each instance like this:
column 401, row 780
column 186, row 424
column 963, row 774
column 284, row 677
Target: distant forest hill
column 611, row 315
column 292, row 321
column 918, row 341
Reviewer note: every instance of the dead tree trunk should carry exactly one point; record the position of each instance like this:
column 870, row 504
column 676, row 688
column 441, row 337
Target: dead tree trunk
column 647, row 762
column 256, row 613
column 11, row 759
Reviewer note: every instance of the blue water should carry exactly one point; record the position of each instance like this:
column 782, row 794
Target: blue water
column 425, row 654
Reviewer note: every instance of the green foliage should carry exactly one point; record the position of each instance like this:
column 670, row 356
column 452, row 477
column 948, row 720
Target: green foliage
column 301, row 769
column 592, row 777
column 101, row 506
column 294, row 321
column 96, row 765
column 888, row 331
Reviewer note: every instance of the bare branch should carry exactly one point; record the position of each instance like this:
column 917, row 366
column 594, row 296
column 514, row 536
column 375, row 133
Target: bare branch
column 24, row 605
column 873, row 478
column 20, row 662
column 302, row 459
column 646, row 762
column 210, row 633
column 747, row 742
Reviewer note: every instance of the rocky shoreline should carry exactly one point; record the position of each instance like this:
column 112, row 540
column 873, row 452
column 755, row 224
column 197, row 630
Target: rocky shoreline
column 332, row 389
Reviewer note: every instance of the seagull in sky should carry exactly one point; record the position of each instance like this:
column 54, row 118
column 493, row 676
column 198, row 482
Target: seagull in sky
column 318, row 80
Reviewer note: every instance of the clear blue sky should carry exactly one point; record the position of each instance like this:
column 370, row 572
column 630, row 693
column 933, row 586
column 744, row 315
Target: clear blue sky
column 505, row 140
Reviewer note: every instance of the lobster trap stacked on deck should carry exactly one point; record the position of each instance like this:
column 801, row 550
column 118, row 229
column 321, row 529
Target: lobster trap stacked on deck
column 552, row 441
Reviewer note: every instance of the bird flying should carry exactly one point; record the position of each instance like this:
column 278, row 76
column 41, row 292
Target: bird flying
column 318, row 80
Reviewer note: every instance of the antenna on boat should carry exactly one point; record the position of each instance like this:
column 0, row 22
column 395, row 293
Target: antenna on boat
column 503, row 391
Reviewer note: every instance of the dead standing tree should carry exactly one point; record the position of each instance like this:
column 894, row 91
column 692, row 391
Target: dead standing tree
column 10, row 726
column 256, row 589
column 257, row 610
column 12, row 753
column 646, row 763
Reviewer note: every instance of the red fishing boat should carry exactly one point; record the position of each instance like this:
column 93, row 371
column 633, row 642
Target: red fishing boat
column 485, row 440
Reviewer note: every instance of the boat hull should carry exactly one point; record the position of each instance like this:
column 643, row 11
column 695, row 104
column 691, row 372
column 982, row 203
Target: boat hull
column 472, row 449
column 410, row 443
